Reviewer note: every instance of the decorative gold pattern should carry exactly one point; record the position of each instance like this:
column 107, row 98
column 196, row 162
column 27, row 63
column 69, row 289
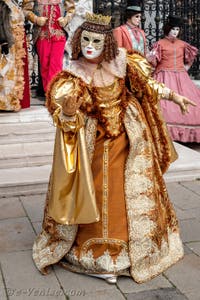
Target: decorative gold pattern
column 53, row 242
column 105, row 190
column 109, row 105
column 151, row 247
column 97, row 19
column 90, row 132
column 104, row 263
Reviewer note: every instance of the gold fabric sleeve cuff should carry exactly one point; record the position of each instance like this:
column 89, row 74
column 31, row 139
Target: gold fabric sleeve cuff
column 166, row 93
column 66, row 123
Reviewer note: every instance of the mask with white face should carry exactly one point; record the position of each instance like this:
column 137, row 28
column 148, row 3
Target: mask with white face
column 135, row 20
column 92, row 44
column 174, row 32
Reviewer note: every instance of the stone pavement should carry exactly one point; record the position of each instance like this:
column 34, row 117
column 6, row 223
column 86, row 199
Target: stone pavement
column 20, row 221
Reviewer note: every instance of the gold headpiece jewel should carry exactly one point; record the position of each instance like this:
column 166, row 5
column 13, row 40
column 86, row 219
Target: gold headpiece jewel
column 98, row 19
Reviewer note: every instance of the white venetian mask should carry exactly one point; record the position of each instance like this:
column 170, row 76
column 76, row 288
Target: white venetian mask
column 174, row 32
column 92, row 44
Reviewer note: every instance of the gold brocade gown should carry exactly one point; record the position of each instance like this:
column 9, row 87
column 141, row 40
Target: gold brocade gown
column 103, row 246
column 128, row 151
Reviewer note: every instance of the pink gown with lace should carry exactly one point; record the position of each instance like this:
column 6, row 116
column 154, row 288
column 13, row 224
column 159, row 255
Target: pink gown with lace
column 169, row 57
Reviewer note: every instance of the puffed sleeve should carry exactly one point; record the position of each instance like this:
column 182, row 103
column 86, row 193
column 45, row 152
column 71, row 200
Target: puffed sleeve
column 64, row 84
column 148, row 91
column 141, row 81
column 190, row 54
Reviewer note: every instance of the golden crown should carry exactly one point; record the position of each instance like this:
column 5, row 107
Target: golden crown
column 98, row 19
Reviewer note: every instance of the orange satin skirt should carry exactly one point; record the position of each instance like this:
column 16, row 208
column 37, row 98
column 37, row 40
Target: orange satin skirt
column 110, row 234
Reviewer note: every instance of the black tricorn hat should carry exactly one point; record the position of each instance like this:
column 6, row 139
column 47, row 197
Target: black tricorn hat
column 174, row 21
column 134, row 5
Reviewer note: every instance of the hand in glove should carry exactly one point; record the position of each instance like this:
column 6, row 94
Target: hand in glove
column 63, row 21
column 41, row 21
column 71, row 104
column 182, row 101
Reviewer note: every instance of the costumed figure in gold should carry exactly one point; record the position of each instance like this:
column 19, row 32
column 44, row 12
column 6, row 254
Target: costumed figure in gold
column 107, row 211
column 14, row 77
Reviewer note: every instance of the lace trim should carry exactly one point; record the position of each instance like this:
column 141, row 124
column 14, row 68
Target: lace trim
column 104, row 263
column 155, row 242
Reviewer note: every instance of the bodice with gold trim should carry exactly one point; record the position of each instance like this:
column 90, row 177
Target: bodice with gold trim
column 108, row 106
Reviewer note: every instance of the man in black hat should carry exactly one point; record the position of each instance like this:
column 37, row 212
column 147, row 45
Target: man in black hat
column 130, row 35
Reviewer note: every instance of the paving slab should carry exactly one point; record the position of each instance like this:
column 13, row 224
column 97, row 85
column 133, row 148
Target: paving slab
column 193, row 295
column 37, row 227
column 34, row 206
column 192, row 186
column 24, row 282
column 16, row 234
column 187, row 213
column 182, row 197
column 162, row 294
column 81, row 283
column 187, row 250
column 11, row 208
column 190, row 230
column 106, row 294
column 127, row 285
column 185, row 275
column 2, row 287
column 195, row 247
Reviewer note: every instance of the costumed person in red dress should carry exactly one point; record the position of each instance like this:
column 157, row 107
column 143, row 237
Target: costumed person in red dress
column 172, row 57
column 14, row 75
column 104, row 106
column 49, row 18
column 130, row 35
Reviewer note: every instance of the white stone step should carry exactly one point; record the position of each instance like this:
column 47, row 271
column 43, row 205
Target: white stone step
column 26, row 133
column 26, row 154
column 24, row 181
column 186, row 167
column 31, row 114
column 29, row 125
column 34, row 180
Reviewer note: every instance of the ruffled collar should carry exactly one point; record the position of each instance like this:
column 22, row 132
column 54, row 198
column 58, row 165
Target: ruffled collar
column 109, row 71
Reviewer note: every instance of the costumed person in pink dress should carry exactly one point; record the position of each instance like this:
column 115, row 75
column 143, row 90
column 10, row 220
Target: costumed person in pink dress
column 172, row 57
column 130, row 35
column 104, row 105
column 49, row 18
column 14, row 76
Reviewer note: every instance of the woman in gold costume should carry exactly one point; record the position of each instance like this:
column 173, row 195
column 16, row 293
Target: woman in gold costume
column 107, row 211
